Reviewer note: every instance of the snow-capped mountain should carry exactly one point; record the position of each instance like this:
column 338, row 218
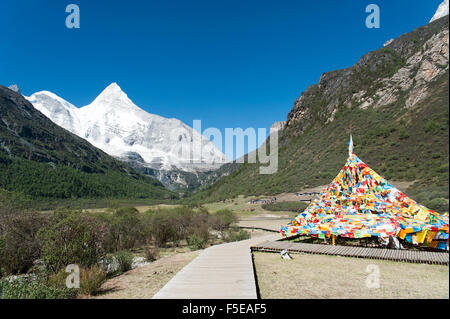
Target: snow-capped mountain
column 113, row 123
column 442, row 11
column 57, row 109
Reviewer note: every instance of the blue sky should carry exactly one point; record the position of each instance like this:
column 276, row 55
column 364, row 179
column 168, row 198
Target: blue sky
column 233, row 63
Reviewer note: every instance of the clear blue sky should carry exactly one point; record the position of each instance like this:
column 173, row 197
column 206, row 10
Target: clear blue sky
column 229, row 63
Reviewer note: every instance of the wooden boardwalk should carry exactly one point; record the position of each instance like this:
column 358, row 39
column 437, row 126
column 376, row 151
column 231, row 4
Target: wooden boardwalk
column 412, row 256
column 219, row 272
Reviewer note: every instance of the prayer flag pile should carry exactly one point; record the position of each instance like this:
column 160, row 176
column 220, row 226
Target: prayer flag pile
column 360, row 203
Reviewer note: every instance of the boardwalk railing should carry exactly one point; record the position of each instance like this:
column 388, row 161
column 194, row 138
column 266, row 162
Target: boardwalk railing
column 412, row 256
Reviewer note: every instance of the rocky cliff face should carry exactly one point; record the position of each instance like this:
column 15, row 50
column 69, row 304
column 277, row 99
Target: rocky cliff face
column 177, row 180
column 400, row 71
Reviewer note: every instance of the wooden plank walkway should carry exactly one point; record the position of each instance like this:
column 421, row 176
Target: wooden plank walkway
column 412, row 256
column 220, row 272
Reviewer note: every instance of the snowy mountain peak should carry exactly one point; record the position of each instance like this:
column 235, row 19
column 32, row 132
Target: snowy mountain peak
column 113, row 123
column 113, row 96
column 113, row 89
column 442, row 11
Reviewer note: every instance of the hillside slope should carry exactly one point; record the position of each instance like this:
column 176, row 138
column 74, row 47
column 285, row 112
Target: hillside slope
column 42, row 160
column 395, row 103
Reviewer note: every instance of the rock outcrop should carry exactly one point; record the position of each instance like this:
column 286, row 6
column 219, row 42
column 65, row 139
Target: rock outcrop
column 400, row 72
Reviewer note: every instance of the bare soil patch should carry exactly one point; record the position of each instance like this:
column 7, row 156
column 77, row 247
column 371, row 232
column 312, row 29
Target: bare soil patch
column 144, row 282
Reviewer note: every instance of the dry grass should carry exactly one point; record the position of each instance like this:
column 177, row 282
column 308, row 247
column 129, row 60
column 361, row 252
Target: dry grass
column 272, row 224
column 318, row 276
column 146, row 281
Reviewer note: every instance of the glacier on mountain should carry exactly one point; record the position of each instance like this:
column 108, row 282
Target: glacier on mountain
column 113, row 123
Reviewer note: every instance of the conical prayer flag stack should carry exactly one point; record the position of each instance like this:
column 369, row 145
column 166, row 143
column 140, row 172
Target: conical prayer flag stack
column 360, row 203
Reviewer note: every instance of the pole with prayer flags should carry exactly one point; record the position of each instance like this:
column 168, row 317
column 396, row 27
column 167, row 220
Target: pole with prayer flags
column 350, row 146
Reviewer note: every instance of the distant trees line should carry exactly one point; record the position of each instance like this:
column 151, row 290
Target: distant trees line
column 45, row 181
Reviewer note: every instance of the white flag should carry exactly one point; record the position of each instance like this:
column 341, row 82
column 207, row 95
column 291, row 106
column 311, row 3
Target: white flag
column 350, row 147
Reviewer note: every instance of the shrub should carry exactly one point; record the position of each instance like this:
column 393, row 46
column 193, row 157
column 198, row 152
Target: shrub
column 126, row 229
column 151, row 254
column 167, row 225
column 91, row 279
column 71, row 238
column 124, row 261
column 222, row 220
column 19, row 247
column 33, row 288
column 162, row 227
column 237, row 235
column 174, row 225
column 146, row 222
column 196, row 242
column 181, row 221
column 198, row 231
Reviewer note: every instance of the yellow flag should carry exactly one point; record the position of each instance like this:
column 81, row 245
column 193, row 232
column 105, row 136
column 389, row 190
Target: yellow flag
column 422, row 214
column 421, row 236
